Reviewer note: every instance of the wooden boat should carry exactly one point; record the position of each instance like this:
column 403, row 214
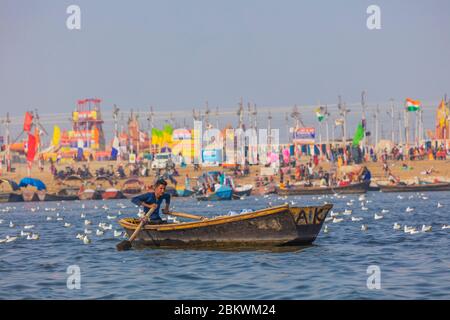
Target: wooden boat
column 356, row 188
column 60, row 196
column 90, row 194
column 112, row 193
column 241, row 191
column 11, row 196
column 184, row 192
column 265, row 189
column 221, row 193
column 441, row 186
column 132, row 187
column 30, row 196
column 276, row 226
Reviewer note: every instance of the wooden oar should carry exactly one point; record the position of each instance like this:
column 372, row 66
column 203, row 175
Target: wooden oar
column 186, row 215
column 126, row 244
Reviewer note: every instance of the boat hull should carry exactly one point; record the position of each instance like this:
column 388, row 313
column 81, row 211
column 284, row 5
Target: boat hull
column 30, row 196
column 56, row 197
column 184, row 192
column 111, row 195
column 357, row 188
column 416, row 188
column 10, row 197
column 242, row 193
column 97, row 195
column 279, row 226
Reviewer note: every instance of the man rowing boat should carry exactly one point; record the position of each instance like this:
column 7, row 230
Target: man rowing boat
column 154, row 199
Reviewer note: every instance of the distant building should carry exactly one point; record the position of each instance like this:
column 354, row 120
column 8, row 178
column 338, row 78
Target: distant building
column 87, row 130
column 442, row 121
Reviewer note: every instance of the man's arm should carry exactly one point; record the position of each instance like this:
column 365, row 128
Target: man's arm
column 138, row 200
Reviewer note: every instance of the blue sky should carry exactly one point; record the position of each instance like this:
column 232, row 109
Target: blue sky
column 176, row 54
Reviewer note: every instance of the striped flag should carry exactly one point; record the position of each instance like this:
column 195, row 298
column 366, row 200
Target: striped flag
column 412, row 105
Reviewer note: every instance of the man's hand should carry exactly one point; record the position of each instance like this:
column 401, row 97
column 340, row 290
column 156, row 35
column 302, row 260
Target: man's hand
column 150, row 206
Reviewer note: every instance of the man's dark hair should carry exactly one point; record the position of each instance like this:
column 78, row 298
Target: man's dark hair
column 160, row 182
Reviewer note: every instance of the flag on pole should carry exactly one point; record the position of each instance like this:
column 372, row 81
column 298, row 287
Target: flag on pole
column 319, row 114
column 141, row 137
column 80, row 150
column 27, row 122
column 31, row 147
column 412, row 105
column 359, row 135
column 56, row 136
column 115, row 148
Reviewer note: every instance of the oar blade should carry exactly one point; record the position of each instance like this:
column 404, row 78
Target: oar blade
column 124, row 245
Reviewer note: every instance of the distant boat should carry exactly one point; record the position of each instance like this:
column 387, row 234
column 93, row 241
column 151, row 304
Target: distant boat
column 12, row 196
column 270, row 227
column 241, row 191
column 221, row 193
column 184, row 192
column 112, row 193
column 60, row 196
column 441, row 186
column 132, row 187
column 355, row 188
column 90, row 194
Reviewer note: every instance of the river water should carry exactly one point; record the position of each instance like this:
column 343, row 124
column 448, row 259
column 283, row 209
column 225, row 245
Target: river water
column 336, row 266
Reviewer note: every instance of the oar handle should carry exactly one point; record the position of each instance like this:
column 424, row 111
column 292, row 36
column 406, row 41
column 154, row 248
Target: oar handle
column 186, row 215
column 141, row 224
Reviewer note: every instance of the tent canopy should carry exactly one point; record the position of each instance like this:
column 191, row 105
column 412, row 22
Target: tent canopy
column 32, row 182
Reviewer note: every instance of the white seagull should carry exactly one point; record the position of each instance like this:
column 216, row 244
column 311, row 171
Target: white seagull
column 377, row 217
column 337, row 220
column 86, row 240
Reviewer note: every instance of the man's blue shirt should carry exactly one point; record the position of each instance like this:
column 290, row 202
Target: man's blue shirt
column 150, row 198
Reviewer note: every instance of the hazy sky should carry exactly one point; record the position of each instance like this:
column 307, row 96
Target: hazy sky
column 177, row 54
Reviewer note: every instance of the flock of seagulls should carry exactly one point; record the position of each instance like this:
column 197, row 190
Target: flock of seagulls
column 26, row 231
column 103, row 228
column 337, row 217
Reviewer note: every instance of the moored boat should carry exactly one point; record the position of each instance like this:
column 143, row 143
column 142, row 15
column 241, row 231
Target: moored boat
column 240, row 191
column 184, row 192
column 112, row 193
column 276, row 226
column 132, row 187
column 221, row 193
column 422, row 187
column 12, row 195
column 59, row 196
column 90, row 194
column 355, row 188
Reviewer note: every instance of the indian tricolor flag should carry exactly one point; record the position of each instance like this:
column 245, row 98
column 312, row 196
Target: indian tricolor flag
column 412, row 105
column 319, row 114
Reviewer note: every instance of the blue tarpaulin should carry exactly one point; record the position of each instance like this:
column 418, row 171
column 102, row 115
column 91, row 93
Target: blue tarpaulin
column 32, row 182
